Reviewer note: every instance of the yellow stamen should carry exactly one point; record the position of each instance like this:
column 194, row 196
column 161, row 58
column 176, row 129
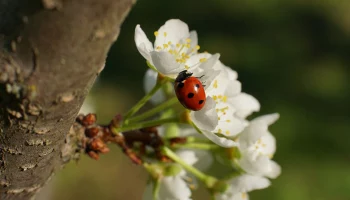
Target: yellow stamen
column 215, row 84
column 202, row 60
column 165, row 34
column 156, row 33
column 188, row 40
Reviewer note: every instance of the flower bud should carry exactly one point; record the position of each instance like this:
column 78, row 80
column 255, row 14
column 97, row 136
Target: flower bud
column 104, row 150
column 93, row 155
column 97, row 144
column 91, row 132
column 89, row 119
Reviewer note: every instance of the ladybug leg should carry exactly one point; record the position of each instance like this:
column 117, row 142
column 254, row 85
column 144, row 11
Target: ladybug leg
column 203, row 83
column 200, row 77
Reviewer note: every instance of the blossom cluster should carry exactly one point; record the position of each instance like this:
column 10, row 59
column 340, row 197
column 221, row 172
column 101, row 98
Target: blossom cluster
column 223, row 119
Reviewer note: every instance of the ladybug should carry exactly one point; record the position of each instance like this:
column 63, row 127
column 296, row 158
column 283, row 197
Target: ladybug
column 190, row 91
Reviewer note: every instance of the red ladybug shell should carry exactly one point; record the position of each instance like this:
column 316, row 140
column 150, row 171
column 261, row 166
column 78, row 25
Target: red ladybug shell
column 190, row 91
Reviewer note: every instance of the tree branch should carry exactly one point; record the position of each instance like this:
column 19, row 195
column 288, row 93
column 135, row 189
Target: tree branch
column 51, row 52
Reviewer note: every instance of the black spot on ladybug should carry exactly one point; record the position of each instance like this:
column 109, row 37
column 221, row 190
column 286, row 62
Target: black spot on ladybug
column 180, row 85
column 190, row 95
column 197, row 86
column 200, row 102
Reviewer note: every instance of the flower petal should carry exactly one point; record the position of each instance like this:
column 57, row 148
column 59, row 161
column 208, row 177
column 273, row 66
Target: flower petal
column 188, row 156
column 174, row 30
column 239, row 186
column 165, row 63
column 275, row 170
column 258, row 165
column 194, row 60
column 229, row 196
column 245, row 104
column 256, row 129
column 269, row 143
column 206, row 118
column 142, row 43
column 233, row 89
column 248, row 183
column 267, row 119
column 194, row 42
column 229, row 125
column 221, row 141
column 174, row 187
column 205, row 69
column 232, row 74
column 149, row 81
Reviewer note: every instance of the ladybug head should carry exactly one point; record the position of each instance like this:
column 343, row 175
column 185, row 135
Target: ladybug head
column 183, row 75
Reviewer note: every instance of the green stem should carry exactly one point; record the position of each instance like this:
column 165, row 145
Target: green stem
column 155, row 110
column 195, row 127
column 208, row 180
column 156, row 188
column 145, row 124
column 192, row 139
column 201, row 146
column 142, row 102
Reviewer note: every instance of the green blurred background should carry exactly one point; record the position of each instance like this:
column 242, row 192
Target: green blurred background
column 293, row 56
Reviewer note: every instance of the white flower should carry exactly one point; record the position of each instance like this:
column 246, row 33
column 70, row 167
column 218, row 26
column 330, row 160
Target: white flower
column 224, row 114
column 241, row 185
column 257, row 147
column 174, row 187
column 175, row 49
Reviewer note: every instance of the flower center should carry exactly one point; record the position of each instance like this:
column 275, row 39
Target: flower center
column 181, row 51
column 261, row 148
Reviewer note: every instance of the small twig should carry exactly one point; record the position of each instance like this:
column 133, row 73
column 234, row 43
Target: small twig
column 97, row 136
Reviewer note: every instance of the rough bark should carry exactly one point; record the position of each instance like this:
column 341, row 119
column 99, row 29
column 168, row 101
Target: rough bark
column 50, row 54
